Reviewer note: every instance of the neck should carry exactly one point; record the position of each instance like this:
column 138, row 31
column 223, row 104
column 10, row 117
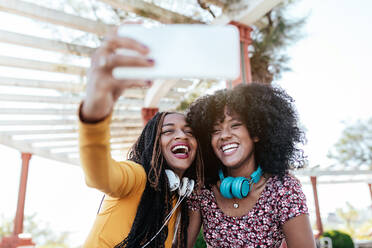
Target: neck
column 242, row 171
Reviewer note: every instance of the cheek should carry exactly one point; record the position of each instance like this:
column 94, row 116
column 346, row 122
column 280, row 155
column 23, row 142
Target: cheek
column 163, row 145
column 214, row 143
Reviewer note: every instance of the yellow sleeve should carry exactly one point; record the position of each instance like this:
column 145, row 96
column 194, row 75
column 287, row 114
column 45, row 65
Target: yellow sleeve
column 116, row 179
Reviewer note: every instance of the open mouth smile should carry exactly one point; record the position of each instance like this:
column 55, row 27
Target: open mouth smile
column 180, row 150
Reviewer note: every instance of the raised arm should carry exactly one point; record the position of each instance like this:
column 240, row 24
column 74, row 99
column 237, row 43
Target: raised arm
column 100, row 170
column 103, row 89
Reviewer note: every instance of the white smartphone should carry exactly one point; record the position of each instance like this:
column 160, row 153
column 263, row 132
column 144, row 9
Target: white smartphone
column 185, row 51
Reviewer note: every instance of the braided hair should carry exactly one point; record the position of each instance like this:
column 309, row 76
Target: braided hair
column 156, row 200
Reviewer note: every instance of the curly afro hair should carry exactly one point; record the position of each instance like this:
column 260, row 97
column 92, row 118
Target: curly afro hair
column 267, row 112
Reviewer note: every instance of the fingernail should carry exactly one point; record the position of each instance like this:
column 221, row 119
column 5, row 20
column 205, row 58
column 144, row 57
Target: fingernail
column 149, row 83
column 144, row 46
column 151, row 61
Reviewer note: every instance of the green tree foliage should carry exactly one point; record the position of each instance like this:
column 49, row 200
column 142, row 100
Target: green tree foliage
column 350, row 216
column 41, row 232
column 200, row 243
column 268, row 53
column 339, row 239
column 354, row 148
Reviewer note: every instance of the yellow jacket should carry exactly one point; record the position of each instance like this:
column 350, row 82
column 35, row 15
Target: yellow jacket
column 122, row 182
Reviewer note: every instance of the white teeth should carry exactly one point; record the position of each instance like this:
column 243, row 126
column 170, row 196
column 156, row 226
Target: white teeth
column 229, row 146
column 185, row 148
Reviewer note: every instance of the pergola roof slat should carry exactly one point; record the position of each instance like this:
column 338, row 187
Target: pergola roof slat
column 42, row 66
column 44, row 44
column 150, row 10
column 42, row 84
column 37, row 12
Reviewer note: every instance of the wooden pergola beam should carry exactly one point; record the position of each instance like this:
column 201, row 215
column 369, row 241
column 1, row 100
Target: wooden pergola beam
column 42, row 66
column 44, row 44
column 125, row 130
column 341, row 181
column 152, row 11
column 27, row 148
column 42, row 84
column 43, row 14
column 218, row 3
column 75, row 149
column 253, row 12
column 158, row 90
column 317, row 173
column 130, row 114
column 65, row 122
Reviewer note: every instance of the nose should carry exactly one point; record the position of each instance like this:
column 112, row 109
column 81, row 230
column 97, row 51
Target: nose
column 180, row 134
column 225, row 134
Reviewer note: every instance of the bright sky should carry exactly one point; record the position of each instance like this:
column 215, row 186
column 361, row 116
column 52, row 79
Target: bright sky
column 330, row 81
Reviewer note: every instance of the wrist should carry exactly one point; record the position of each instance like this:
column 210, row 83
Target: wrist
column 93, row 112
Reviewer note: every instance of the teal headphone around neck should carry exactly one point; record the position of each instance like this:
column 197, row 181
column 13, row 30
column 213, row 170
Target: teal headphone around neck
column 238, row 187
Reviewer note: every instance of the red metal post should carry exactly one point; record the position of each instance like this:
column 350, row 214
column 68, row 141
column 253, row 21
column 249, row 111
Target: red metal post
column 245, row 64
column 14, row 240
column 370, row 190
column 148, row 113
column 319, row 224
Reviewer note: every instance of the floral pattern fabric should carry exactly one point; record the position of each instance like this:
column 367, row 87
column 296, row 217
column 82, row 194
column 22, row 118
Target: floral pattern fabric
column 258, row 228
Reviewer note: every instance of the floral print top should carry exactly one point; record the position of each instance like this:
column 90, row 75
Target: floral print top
column 258, row 228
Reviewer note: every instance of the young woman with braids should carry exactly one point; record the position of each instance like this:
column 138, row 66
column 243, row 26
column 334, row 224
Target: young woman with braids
column 139, row 201
column 249, row 138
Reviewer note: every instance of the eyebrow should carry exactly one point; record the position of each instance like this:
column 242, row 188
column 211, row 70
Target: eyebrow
column 168, row 124
column 233, row 118
column 172, row 124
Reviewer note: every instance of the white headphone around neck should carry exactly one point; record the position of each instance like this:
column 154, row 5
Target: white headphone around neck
column 184, row 186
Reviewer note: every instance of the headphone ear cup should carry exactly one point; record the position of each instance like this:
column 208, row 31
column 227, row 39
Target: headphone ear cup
column 240, row 187
column 173, row 179
column 183, row 188
column 225, row 187
column 190, row 187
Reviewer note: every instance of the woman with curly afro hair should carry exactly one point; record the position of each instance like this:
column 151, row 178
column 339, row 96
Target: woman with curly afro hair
column 249, row 137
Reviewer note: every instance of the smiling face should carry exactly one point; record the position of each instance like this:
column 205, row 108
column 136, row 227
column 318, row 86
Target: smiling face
column 178, row 144
column 232, row 142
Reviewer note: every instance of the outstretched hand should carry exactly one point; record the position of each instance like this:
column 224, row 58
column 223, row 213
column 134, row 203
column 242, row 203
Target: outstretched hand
column 103, row 89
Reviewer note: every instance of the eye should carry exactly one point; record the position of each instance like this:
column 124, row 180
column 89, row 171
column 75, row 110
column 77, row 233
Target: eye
column 236, row 124
column 168, row 131
column 216, row 131
column 189, row 131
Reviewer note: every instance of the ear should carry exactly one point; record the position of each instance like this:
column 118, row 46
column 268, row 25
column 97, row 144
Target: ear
column 255, row 139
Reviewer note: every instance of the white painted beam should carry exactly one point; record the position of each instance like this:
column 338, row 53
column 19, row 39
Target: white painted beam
column 44, row 44
column 73, row 129
column 54, row 85
column 344, row 172
column 26, row 147
column 254, row 11
column 339, row 181
column 66, row 122
column 128, row 114
column 149, row 10
column 42, row 66
column 159, row 89
column 39, row 13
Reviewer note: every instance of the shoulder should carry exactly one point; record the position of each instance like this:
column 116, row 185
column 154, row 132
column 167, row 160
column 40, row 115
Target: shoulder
column 287, row 181
column 287, row 186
